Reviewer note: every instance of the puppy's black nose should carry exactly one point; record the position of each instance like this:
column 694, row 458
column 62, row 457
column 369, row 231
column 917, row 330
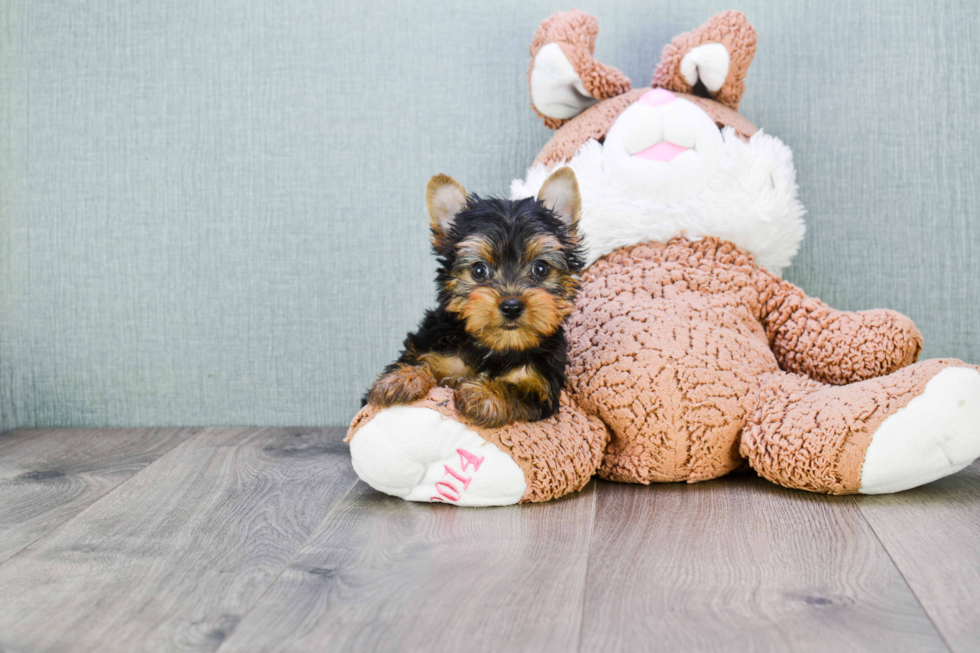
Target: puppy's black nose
column 512, row 308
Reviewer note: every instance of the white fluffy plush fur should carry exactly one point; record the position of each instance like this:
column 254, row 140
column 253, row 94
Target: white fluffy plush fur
column 749, row 198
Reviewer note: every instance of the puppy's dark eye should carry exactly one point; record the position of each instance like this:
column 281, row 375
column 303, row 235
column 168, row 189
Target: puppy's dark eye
column 540, row 269
column 480, row 271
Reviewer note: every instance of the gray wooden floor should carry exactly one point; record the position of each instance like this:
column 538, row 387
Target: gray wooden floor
column 264, row 540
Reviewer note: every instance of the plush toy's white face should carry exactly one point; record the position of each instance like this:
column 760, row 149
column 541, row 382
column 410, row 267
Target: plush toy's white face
column 662, row 146
column 665, row 169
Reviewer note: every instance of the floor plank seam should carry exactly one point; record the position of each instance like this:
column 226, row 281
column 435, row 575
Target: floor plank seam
column 110, row 492
column 588, row 561
column 905, row 580
column 285, row 566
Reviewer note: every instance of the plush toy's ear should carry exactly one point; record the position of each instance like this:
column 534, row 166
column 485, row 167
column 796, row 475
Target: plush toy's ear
column 563, row 77
column 711, row 61
column 445, row 198
column 560, row 194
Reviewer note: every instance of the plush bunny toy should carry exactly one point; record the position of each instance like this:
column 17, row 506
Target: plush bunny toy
column 689, row 356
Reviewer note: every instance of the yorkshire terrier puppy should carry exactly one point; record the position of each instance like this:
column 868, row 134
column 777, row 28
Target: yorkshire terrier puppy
column 506, row 283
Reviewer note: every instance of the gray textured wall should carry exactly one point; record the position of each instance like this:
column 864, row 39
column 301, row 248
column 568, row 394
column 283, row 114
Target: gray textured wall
column 210, row 213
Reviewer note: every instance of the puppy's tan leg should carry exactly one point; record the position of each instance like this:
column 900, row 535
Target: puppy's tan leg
column 447, row 369
column 402, row 385
column 485, row 403
column 521, row 395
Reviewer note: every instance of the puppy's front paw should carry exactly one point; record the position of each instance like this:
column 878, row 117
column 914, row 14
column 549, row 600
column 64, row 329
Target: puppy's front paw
column 482, row 406
column 403, row 385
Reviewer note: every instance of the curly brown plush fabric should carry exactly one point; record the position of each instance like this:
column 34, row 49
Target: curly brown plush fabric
column 666, row 347
column 575, row 32
column 695, row 358
column 812, row 436
column 731, row 29
column 847, row 347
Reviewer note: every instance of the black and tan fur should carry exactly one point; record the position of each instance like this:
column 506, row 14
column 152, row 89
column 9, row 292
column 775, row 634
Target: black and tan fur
column 506, row 283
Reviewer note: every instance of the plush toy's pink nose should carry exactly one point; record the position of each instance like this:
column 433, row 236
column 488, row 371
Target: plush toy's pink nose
column 658, row 96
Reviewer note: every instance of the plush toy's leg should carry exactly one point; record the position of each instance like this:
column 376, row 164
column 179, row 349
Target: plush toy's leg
column 424, row 452
column 885, row 434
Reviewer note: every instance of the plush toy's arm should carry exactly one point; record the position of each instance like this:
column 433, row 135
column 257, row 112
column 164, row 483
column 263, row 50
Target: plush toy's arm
column 716, row 55
column 563, row 77
column 837, row 347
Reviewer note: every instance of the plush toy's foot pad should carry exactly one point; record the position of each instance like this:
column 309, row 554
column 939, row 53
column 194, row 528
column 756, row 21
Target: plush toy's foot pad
column 417, row 454
column 934, row 435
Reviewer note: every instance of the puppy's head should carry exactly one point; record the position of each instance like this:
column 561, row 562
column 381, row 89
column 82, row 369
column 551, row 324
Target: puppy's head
column 506, row 268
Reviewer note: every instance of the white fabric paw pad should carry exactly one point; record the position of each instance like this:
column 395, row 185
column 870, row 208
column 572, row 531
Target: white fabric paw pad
column 417, row 454
column 934, row 435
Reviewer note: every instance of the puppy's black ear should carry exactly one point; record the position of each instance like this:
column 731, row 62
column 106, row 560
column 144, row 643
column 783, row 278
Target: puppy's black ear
column 445, row 198
column 560, row 194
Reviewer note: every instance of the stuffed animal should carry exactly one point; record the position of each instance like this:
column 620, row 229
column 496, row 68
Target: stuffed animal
column 689, row 356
